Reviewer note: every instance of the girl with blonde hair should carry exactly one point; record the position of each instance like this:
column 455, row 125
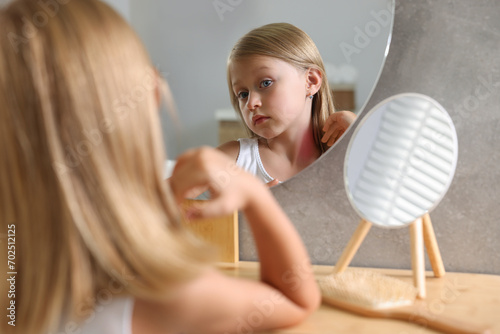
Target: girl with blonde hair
column 92, row 237
column 278, row 85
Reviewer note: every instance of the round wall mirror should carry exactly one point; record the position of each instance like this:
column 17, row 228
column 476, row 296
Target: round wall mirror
column 189, row 42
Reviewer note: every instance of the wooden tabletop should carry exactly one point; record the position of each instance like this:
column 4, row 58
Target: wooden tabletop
column 471, row 298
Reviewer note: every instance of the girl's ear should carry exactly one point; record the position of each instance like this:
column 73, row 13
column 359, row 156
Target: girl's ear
column 314, row 78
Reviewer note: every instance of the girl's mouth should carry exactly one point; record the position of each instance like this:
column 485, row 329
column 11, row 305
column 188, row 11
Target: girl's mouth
column 258, row 119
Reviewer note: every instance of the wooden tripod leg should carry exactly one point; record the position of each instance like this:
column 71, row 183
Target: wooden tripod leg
column 417, row 257
column 432, row 247
column 353, row 245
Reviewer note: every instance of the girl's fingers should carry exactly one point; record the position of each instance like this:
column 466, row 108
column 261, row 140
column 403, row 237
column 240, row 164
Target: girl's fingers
column 327, row 135
column 190, row 176
column 342, row 119
column 185, row 182
column 216, row 207
column 325, row 138
column 207, row 168
column 326, row 126
column 332, row 133
column 334, row 136
column 328, row 123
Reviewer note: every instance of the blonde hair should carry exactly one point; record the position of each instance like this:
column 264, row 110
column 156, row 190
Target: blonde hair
column 292, row 45
column 81, row 159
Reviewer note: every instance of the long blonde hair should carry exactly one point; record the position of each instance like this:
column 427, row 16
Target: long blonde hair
column 81, row 159
column 286, row 42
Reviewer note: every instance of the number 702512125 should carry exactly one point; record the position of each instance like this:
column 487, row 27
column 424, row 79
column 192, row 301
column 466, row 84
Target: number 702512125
column 11, row 247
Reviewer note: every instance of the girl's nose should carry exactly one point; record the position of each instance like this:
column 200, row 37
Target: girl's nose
column 253, row 101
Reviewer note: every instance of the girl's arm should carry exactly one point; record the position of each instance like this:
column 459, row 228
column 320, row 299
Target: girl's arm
column 287, row 291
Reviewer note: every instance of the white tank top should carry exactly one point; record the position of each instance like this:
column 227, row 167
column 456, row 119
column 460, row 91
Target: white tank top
column 110, row 316
column 249, row 159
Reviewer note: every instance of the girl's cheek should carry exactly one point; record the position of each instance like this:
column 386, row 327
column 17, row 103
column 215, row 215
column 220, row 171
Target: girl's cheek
column 242, row 106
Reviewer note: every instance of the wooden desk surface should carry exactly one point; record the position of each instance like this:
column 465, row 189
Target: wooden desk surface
column 468, row 297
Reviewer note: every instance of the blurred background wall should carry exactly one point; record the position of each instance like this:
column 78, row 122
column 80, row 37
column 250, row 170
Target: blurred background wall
column 189, row 42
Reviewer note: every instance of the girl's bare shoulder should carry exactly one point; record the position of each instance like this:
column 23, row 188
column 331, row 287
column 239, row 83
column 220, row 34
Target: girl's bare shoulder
column 231, row 149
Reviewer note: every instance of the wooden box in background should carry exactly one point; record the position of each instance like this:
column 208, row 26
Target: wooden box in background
column 220, row 232
column 230, row 125
column 344, row 97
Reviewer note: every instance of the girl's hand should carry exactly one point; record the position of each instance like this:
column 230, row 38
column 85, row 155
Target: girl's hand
column 336, row 125
column 230, row 187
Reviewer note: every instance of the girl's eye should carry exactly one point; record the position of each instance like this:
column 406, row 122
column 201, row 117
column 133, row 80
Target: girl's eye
column 266, row 83
column 242, row 95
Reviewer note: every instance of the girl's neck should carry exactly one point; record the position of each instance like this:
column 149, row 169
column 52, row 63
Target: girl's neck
column 298, row 147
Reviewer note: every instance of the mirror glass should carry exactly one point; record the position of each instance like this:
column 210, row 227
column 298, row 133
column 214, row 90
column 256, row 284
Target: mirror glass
column 400, row 160
column 189, row 42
